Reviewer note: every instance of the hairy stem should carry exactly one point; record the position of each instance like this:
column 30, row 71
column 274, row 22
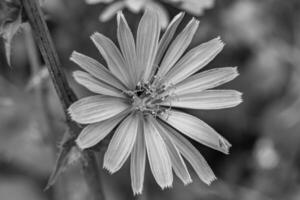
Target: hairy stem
column 66, row 95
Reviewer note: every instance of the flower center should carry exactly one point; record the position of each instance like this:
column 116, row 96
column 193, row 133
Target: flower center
column 147, row 99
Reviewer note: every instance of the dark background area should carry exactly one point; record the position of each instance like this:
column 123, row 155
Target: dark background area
column 262, row 38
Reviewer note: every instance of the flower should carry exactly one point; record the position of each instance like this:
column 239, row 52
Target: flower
column 137, row 96
column 194, row 7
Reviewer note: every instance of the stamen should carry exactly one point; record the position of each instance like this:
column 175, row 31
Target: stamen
column 146, row 99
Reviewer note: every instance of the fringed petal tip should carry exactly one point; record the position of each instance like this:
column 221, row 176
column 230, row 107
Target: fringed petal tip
column 187, row 182
column 95, row 34
column 236, row 71
column 73, row 56
column 70, row 112
column 108, row 169
column 219, row 42
column 219, row 39
column 224, row 145
column 194, row 19
column 167, row 186
column 239, row 96
column 137, row 192
column 119, row 16
column 211, row 180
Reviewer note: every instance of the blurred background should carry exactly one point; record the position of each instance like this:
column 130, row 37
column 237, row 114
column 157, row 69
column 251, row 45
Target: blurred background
column 262, row 38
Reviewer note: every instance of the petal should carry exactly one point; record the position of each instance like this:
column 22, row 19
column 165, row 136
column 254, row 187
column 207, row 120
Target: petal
column 206, row 100
column 178, row 163
column 147, row 42
column 194, row 60
column 96, row 69
column 206, row 80
column 96, row 108
column 178, row 47
column 161, row 12
column 192, row 155
column 127, row 45
column 111, row 10
column 94, row 133
column 138, row 161
column 121, row 144
column 113, row 57
column 167, row 37
column 196, row 129
column 96, row 86
column 159, row 160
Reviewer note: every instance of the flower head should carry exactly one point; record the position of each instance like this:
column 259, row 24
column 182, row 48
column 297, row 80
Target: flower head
column 194, row 7
column 137, row 96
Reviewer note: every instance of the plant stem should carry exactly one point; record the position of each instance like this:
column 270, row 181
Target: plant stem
column 65, row 93
column 44, row 41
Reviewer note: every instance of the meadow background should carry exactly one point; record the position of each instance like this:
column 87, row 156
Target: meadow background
column 262, row 38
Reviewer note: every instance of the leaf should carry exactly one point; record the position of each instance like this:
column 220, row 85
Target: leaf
column 10, row 23
column 68, row 154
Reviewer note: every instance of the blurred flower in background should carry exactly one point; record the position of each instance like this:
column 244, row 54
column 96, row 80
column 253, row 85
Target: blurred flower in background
column 194, row 7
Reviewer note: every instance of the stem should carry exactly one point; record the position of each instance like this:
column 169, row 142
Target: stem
column 65, row 93
column 44, row 41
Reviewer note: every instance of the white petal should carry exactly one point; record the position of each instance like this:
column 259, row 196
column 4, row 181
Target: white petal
column 159, row 160
column 178, row 163
column 111, row 10
column 95, row 85
column 96, row 108
column 121, row 144
column 97, row 1
column 192, row 155
column 178, row 47
column 197, row 130
column 206, row 100
column 96, row 69
column 194, row 60
column 138, row 161
column 206, row 80
column 94, row 133
column 147, row 43
column 127, row 45
column 161, row 11
column 167, row 37
column 112, row 56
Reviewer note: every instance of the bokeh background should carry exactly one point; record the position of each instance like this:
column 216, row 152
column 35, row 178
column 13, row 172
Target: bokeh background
column 262, row 38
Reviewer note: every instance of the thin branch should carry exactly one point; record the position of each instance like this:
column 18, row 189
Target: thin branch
column 44, row 41
column 66, row 95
